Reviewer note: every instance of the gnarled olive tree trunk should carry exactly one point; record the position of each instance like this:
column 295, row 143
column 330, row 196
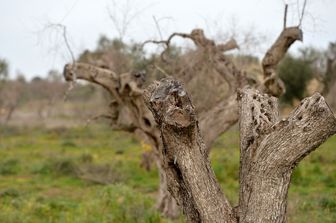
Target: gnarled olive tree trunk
column 270, row 149
column 128, row 111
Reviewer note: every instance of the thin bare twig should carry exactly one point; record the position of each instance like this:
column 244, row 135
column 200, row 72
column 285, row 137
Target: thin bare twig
column 285, row 17
column 63, row 29
column 167, row 42
column 302, row 12
column 127, row 14
column 157, row 27
column 162, row 70
column 96, row 117
column 298, row 8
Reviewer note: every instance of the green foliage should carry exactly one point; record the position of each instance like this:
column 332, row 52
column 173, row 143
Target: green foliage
column 295, row 73
column 47, row 181
column 9, row 166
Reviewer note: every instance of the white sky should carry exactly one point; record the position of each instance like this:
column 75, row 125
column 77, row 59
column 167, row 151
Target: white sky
column 32, row 51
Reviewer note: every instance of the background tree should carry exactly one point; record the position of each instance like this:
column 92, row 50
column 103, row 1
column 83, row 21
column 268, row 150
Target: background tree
column 295, row 73
column 4, row 69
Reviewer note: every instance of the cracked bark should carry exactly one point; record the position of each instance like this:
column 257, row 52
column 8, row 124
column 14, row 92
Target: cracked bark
column 272, row 84
column 128, row 110
column 270, row 150
column 184, row 155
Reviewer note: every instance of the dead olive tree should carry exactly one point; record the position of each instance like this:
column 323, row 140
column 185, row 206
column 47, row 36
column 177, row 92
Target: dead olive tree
column 128, row 111
column 270, row 149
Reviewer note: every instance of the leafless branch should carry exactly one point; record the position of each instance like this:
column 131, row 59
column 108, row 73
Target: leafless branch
column 162, row 70
column 167, row 42
column 285, row 16
column 302, row 12
column 158, row 27
column 96, row 117
column 63, row 30
column 127, row 15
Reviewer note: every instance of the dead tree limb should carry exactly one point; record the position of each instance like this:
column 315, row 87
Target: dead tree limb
column 184, row 156
column 272, row 84
column 285, row 17
column 129, row 113
column 270, row 150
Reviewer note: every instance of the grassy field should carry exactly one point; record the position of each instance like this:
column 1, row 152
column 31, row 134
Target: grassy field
column 60, row 175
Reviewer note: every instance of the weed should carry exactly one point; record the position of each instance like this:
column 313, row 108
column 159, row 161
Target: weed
column 9, row 167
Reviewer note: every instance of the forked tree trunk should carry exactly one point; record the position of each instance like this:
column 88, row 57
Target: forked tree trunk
column 129, row 113
column 270, row 149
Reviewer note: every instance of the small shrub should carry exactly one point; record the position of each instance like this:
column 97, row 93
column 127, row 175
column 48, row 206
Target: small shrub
column 68, row 143
column 9, row 167
column 328, row 203
column 101, row 174
column 10, row 192
column 86, row 158
column 295, row 73
column 126, row 205
column 59, row 166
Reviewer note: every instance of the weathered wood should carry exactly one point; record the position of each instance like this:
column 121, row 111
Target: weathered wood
column 128, row 112
column 184, row 155
column 272, row 83
column 270, row 149
column 226, row 113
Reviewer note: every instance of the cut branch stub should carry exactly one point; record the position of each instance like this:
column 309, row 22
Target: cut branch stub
column 184, row 158
column 170, row 104
column 230, row 45
column 270, row 149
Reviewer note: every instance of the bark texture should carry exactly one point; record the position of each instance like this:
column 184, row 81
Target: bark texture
column 272, row 84
column 128, row 111
column 270, row 150
column 184, row 155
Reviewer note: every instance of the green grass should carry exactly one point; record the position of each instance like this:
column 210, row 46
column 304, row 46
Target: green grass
column 41, row 177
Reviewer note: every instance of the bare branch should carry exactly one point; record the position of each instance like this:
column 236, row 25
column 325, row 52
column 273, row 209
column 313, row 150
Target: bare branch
column 63, row 28
column 270, row 149
column 122, row 16
column 162, row 70
column 285, row 17
column 106, row 78
column 96, row 117
column 302, row 12
column 230, row 45
column 158, row 27
column 272, row 84
column 167, row 43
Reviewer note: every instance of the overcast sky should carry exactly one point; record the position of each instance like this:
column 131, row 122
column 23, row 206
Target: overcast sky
column 32, row 51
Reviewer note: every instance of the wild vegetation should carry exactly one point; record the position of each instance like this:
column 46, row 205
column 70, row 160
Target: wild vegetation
column 41, row 177
column 100, row 174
